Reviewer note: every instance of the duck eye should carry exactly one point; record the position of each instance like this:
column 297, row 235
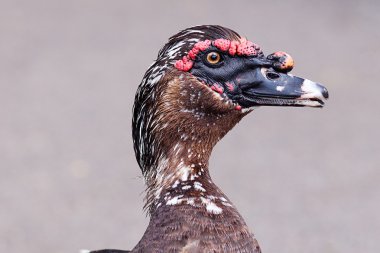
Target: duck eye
column 213, row 58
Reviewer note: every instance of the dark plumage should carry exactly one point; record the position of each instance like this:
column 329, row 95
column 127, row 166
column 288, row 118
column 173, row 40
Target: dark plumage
column 204, row 81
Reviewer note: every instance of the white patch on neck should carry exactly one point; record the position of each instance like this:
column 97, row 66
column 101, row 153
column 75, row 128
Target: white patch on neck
column 162, row 164
column 175, row 184
column 198, row 186
column 211, row 207
column 175, row 200
column 193, row 176
column 184, row 172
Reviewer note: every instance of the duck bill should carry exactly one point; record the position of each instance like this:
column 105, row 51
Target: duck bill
column 273, row 88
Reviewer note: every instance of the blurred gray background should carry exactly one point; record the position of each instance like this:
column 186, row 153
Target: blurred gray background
column 306, row 180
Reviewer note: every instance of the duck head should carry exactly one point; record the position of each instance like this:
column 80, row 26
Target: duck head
column 204, row 81
column 239, row 71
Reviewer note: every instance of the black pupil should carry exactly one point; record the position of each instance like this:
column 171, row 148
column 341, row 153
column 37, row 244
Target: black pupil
column 214, row 57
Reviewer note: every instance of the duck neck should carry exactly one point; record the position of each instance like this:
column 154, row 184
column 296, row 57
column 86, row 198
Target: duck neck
column 187, row 207
column 174, row 142
column 183, row 178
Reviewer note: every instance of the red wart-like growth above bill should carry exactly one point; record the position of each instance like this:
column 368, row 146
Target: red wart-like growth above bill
column 233, row 47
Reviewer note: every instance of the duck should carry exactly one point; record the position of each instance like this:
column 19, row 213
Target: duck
column 204, row 81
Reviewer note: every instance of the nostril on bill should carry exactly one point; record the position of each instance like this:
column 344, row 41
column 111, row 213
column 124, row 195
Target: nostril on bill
column 325, row 93
column 272, row 75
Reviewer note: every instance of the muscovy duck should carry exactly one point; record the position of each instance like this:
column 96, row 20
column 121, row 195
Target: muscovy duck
column 204, row 81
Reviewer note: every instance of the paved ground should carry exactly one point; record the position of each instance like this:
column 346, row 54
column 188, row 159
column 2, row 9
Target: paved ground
column 306, row 180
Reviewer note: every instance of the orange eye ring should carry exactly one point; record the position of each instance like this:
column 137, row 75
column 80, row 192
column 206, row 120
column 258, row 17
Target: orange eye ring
column 213, row 57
